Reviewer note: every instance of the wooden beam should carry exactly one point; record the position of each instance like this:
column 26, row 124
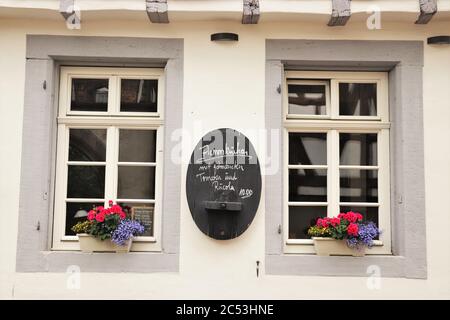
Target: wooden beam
column 250, row 14
column 340, row 14
column 157, row 11
column 427, row 10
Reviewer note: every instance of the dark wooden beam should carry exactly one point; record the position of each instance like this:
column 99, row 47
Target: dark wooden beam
column 66, row 8
column 341, row 13
column 157, row 11
column 427, row 10
column 251, row 11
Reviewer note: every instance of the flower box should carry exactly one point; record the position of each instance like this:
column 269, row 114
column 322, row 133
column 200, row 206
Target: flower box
column 330, row 246
column 110, row 224
column 91, row 244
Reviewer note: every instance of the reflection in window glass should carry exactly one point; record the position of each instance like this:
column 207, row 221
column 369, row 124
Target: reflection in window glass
column 358, row 149
column 301, row 218
column 136, row 183
column 307, row 99
column 86, row 182
column 137, row 145
column 77, row 212
column 138, row 95
column 308, row 185
column 358, row 99
column 144, row 212
column 89, row 95
column 87, row 145
column 359, row 185
column 307, row 148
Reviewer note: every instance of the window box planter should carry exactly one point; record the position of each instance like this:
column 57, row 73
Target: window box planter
column 91, row 244
column 330, row 246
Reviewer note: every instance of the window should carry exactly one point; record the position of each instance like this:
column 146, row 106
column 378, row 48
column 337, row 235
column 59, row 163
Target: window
column 109, row 147
column 337, row 152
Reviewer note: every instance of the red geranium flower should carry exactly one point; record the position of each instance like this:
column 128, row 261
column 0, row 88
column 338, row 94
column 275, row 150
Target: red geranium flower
column 335, row 221
column 100, row 217
column 352, row 229
column 91, row 215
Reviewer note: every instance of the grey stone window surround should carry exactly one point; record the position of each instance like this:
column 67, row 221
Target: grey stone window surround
column 404, row 62
column 44, row 54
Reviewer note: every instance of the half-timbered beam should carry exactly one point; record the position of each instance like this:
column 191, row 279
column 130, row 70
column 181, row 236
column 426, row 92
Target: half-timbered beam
column 340, row 14
column 157, row 11
column 66, row 8
column 250, row 13
column 427, row 10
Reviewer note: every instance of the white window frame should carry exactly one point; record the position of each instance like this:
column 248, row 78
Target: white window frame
column 112, row 120
column 333, row 124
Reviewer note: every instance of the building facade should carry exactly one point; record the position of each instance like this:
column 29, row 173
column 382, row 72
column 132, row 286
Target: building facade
column 346, row 105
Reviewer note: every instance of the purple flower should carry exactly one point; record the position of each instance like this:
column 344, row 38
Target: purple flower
column 125, row 230
column 366, row 233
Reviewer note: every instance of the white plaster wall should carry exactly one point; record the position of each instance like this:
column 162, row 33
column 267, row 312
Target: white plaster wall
column 224, row 86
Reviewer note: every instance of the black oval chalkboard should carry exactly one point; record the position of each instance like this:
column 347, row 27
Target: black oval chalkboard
column 223, row 184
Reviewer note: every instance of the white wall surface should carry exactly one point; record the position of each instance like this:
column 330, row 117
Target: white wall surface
column 224, row 85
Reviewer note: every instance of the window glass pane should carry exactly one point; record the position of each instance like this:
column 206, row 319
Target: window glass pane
column 307, row 148
column 136, row 183
column 308, row 185
column 144, row 212
column 301, row 218
column 86, row 182
column 358, row 99
column 307, row 99
column 137, row 145
column 89, row 95
column 359, row 185
column 139, row 95
column 87, row 145
column 369, row 213
column 77, row 212
column 358, row 149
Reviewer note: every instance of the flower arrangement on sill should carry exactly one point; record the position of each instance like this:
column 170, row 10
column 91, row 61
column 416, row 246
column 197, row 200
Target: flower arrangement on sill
column 348, row 228
column 107, row 229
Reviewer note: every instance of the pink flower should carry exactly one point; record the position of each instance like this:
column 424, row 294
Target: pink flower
column 322, row 222
column 319, row 222
column 116, row 209
column 100, row 217
column 335, row 221
column 110, row 202
column 122, row 215
column 352, row 229
column 91, row 215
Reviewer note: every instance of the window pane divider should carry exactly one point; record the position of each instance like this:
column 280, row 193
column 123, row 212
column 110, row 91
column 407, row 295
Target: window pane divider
column 358, row 167
column 86, row 163
column 137, row 200
column 105, row 121
column 323, row 125
column 137, row 164
column 334, row 183
column 304, row 203
column 306, row 166
column 85, row 200
column 360, row 204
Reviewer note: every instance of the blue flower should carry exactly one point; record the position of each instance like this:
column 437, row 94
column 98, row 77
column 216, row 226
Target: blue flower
column 125, row 230
column 366, row 233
